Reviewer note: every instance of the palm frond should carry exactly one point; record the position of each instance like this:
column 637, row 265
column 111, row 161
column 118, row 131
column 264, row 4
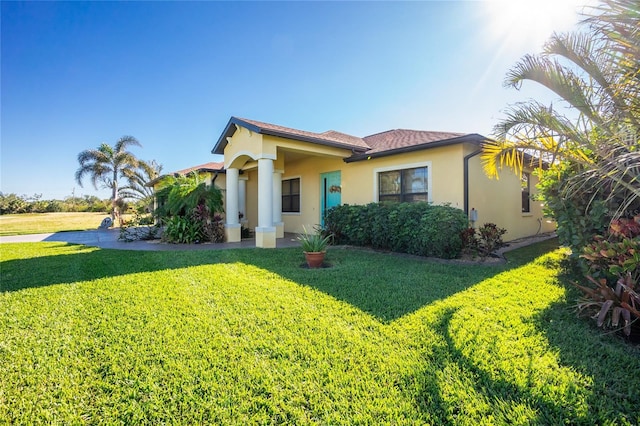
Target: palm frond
column 556, row 77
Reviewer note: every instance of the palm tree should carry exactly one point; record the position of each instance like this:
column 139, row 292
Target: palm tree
column 107, row 164
column 137, row 180
column 181, row 194
column 597, row 75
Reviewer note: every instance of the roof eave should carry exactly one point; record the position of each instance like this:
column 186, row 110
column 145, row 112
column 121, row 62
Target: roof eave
column 470, row 138
column 230, row 130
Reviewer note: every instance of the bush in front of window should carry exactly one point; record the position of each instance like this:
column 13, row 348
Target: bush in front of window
column 416, row 228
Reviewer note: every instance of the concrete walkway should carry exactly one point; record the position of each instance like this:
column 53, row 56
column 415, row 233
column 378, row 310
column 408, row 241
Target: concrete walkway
column 108, row 239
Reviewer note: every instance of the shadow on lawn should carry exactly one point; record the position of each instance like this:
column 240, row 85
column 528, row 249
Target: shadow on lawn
column 77, row 262
column 613, row 363
column 439, row 391
column 383, row 285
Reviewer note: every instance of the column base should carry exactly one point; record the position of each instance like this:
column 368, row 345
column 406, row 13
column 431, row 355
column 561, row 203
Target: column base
column 232, row 232
column 266, row 237
column 279, row 229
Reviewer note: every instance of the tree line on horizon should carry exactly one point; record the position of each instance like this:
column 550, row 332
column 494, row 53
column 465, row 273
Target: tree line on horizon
column 17, row 204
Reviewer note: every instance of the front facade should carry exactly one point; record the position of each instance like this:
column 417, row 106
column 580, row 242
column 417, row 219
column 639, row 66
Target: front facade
column 281, row 180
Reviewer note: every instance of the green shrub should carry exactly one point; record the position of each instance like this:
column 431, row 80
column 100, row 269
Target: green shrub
column 415, row 228
column 579, row 214
column 490, row 238
column 470, row 241
column 613, row 292
column 182, row 230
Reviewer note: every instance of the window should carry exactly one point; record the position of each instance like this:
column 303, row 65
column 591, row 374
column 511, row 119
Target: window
column 525, row 184
column 408, row 185
column 291, row 195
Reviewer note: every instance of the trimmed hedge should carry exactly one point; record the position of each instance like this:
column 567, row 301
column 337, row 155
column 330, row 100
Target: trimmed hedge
column 416, row 228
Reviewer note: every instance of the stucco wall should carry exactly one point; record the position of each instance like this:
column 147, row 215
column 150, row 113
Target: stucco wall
column 500, row 202
column 497, row 201
column 360, row 183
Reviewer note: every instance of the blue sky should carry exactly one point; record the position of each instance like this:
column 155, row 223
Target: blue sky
column 171, row 74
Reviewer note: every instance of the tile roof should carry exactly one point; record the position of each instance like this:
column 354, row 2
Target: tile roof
column 402, row 138
column 328, row 136
column 206, row 167
column 202, row 167
column 379, row 144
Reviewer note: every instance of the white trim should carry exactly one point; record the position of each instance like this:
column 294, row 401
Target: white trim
column 250, row 155
column 289, row 178
column 379, row 170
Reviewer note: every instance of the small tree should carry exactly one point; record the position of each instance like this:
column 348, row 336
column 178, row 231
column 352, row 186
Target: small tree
column 137, row 182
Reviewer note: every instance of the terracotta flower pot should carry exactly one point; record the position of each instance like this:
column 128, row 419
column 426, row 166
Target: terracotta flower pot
column 314, row 258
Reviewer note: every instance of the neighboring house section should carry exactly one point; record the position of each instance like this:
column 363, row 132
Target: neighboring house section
column 213, row 173
column 283, row 179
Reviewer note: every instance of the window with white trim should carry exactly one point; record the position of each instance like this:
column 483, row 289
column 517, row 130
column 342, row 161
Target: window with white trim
column 406, row 185
column 291, row 195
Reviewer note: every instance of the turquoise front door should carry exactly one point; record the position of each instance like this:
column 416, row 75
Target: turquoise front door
column 330, row 192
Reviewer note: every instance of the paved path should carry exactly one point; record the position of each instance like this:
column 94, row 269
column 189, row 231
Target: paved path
column 108, row 238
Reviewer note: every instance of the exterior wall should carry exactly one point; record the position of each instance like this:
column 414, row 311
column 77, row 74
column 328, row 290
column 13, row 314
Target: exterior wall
column 309, row 170
column 359, row 182
column 497, row 201
column 445, row 174
column 500, row 202
column 244, row 145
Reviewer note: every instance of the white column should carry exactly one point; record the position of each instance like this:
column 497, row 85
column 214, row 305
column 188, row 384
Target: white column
column 277, row 203
column 232, row 227
column 265, row 232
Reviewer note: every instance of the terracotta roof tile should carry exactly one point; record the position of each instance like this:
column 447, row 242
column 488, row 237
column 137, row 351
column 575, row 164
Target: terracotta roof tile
column 328, row 136
column 379, row 144
column 205, row 167
column 403, row 138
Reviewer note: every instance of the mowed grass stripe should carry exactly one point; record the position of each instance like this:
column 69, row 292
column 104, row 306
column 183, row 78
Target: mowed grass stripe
column 248, row 337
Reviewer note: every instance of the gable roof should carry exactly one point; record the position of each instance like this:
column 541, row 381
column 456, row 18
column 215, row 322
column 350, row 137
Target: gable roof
column 377, row 145
column 329, row 138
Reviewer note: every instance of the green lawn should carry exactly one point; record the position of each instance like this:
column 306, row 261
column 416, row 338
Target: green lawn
column 249, row 337
column 43, row 223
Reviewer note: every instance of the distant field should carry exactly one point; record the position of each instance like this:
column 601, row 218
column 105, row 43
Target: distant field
column 41, row 223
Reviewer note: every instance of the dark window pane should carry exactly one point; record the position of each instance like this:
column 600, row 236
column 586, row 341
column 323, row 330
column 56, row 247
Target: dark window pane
column 395, row 198
column 291, row 195
column 525, row 184
column 409, row 185
column 414, row 180
column 390, row 182
column 414, row 198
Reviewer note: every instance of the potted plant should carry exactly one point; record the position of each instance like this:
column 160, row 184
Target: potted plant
column 314, row 246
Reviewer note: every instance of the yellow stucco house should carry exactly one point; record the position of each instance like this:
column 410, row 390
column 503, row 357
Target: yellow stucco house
column 281, row 179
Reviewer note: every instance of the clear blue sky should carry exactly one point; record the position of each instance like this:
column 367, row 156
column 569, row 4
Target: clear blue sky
column 76, row 74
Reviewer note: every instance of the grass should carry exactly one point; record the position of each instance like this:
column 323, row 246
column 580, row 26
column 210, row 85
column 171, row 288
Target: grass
column 249, row 337
column 44, row 223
